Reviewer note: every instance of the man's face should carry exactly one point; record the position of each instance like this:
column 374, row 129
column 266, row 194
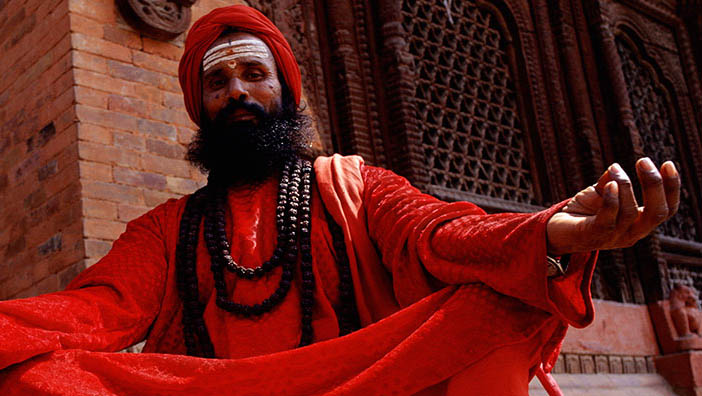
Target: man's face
column 240, row 67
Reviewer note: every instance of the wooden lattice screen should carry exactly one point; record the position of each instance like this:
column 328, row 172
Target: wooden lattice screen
column 467, row 110
column 656, row 126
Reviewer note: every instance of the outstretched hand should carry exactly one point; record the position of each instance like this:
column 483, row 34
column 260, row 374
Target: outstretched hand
column 607, row 216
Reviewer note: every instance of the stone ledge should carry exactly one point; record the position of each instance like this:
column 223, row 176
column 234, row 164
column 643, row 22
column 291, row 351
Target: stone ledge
column 606, row 385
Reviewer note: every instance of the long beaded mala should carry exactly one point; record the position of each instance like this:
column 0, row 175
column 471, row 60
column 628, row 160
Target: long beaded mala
column 294, row 226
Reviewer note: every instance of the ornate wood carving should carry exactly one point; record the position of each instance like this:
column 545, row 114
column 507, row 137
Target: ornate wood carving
column 403, row 144
column 476, row 104
column 583, row 143
column 161, row 19
column 472, row 132
column 355, row 115
column 652, row 113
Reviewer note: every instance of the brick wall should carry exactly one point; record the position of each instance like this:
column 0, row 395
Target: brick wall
column 40, row 227
column 93, row 135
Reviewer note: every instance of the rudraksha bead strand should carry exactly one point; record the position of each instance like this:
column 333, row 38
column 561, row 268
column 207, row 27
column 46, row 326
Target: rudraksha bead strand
column 218, row 245
column 196, row 337
column 348, row 313
column 307, row 289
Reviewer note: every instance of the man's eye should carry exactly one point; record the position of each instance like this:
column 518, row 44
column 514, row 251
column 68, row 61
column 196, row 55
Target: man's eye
column 254, row 75
column 217, row 82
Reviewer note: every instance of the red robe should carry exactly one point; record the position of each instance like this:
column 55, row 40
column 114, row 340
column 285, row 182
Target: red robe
column 455, row 293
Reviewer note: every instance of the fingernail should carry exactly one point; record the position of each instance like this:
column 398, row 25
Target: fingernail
column 648, row 164
column 615, row 168
column 669, row 169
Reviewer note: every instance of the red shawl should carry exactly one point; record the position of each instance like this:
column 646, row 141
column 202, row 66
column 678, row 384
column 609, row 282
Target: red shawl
column 496, row 302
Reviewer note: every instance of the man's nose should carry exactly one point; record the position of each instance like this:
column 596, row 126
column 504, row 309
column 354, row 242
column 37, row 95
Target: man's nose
column 238, row 89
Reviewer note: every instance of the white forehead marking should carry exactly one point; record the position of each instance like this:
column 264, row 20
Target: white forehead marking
column 231, row 51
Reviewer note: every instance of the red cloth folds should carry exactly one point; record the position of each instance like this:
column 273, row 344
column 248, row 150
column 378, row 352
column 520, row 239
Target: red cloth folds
column 207, row 29
column 436, row 307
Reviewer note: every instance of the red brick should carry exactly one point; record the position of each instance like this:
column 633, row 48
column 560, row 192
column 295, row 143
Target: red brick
column 91, row 97
column 169, row 83
column 49, row 169
column 100, row 47
column 129, row 141
column 112, row 192
column 148, row 93
column 65, row 178
column 103, row 11
column 47, row 285
column 84, row 60
column 165, row 149
column 123, row 37
column 153, row 198
column 129, row 72
column 157, row 129
column 129, row 212
column 89, row 262
column 85, row 25
column 94, row 133
column 11, row 22
column 102, row 229
column 173, row 101
column 64, row 82
column 182, row 186
column 106, row 118
column 69, row 273
column 167, row 50
column 95, row 171
column 185, row 135
column 96, row 248
column 99, row 208
column 106, row 154
column 155, row 62
column 140, row 179
column 170, row 116
column 103, row 82
column 127, row 105
column 165, row 166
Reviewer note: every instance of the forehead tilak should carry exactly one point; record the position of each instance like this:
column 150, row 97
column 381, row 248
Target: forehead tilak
column 233, row 50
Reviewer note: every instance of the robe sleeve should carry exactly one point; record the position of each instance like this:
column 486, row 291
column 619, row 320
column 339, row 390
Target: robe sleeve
column 427, row 243
column 108, row 307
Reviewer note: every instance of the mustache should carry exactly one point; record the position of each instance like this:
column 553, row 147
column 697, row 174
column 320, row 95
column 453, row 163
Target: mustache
column 236, row 104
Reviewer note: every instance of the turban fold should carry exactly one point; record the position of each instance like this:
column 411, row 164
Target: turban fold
column 207, row 29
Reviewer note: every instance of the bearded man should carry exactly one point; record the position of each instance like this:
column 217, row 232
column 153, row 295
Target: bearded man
column 287, row 277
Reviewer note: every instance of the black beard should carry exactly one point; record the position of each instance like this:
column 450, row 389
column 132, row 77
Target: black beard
column 245, row 152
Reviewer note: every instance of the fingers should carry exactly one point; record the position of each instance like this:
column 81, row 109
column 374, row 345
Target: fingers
column 671, row 185
column 628, row 208
column 604, row 179
column 655, row 209
column 606, row 217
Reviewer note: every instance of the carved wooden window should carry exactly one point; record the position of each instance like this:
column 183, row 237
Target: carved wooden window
column 472, row 133
column 656, row 122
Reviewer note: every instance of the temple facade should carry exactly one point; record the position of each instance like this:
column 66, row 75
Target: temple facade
column 512, row 104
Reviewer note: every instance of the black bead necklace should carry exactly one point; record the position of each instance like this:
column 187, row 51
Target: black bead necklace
column 293, row 223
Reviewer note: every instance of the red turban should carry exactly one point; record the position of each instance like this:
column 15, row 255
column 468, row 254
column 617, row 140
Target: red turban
column 207, row 29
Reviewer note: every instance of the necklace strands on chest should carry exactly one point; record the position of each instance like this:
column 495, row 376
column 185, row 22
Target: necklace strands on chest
column 293, row 223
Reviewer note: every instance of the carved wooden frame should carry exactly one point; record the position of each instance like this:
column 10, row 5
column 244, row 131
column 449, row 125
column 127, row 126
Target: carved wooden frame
column 627, row 19
column 537, row 95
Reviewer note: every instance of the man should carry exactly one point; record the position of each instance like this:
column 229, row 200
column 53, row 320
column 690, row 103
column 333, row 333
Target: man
column 340, row 278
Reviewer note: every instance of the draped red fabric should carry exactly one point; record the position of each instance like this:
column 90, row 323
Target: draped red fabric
column 452, row 302
column 208, row 28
